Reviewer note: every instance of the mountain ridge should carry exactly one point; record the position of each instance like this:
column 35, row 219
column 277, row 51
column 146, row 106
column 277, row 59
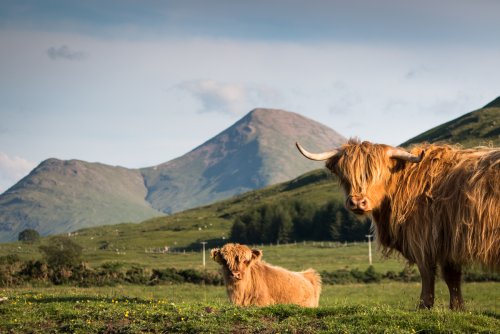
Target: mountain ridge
column 65, row 195
column 254, row 152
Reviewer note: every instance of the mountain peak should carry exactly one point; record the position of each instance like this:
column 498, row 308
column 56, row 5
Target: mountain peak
column 256, row 151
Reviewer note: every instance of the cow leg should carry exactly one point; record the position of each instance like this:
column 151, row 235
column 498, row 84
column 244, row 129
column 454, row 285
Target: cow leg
column 428, row 274
column 452, row 275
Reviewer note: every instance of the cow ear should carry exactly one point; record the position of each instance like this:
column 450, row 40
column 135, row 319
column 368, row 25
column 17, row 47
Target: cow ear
column 215, row 255
column 256, row 254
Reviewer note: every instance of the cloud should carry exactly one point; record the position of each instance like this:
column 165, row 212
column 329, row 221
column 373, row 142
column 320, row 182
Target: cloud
column 345, row 100
column 12, row 169
column 230, row 98
column 64, row 52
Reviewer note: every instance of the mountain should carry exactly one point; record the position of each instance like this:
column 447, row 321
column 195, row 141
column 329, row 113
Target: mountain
column 213, row 221
column 62, row 196
column 257, row 151
column 479, row 127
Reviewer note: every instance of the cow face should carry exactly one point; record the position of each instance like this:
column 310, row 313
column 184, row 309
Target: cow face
column 363, row 171
column 235, row 259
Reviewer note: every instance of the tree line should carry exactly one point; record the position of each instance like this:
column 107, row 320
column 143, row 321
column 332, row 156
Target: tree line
column 295, row 220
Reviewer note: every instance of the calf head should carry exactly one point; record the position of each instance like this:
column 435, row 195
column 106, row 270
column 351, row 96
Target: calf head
column 363, row 170
column 236, row 259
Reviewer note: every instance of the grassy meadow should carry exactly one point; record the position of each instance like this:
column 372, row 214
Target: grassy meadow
column 386, row 307
column 360, row 308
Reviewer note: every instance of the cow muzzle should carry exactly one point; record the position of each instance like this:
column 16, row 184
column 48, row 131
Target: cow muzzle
column 358, row 204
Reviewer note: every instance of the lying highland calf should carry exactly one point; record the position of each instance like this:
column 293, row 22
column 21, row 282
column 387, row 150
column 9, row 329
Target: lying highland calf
column 436, row 205
column 251, row 281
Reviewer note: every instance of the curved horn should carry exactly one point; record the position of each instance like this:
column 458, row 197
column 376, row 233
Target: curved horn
column 398, row 153
column 316, row 156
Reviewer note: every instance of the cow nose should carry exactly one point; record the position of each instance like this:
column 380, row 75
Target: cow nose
column 362, row 203
column 236, row 275
column 357, row 202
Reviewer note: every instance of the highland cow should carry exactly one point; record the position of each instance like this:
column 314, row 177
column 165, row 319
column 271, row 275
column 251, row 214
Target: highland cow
column 251, row 281
column 437, row 205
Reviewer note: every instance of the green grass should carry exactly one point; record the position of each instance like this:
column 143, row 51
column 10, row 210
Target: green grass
column 375, row 308
column 477, row 128
column 388, row 307
column 321, row 256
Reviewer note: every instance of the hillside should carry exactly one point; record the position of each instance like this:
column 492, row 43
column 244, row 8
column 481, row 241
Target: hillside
column 479, row 127
column 212, row 222
column 185, row 229
column 255, row 152
column 61, row 196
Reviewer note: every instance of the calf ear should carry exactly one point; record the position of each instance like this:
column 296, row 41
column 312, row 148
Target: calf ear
column 215, row 255
column 256, row 254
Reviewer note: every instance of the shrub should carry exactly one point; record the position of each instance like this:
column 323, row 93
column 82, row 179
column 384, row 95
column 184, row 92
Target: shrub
column 169, row 275
column 35, row 270
column 136, row 275
column 371, row 276
column 172, row 275
column 28, row 235
column 337, row 277
column 62, row 253
column 9, row 266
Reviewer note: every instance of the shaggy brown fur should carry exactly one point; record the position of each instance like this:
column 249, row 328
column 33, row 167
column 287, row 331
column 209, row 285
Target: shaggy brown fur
column 251, row 281
column 443, row 210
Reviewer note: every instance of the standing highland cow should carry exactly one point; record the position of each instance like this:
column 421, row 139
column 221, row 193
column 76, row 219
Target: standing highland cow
column 437, row 205
column 251, row 281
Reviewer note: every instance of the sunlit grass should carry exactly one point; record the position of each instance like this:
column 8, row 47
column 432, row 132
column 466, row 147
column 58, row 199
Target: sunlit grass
column 374, row 308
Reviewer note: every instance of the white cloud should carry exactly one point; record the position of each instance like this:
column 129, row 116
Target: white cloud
column 229, row 98
column 12, row 169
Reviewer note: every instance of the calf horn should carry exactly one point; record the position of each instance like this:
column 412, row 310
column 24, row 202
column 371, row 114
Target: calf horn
column 316, row 156
column 397, row 153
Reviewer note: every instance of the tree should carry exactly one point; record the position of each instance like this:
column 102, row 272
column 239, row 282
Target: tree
column 28, row 235
column 62, row 252
column 285, row 228
column 239, row 231
column 336, row 226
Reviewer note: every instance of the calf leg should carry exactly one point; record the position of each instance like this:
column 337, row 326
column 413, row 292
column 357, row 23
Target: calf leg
column 452, row 275
column 428, row 274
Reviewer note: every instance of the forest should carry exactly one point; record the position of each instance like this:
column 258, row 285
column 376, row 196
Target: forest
column 289, row 221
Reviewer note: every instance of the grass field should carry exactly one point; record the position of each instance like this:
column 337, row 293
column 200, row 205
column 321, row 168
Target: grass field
column 387, row 307
column 318, row 255
column 373, row 308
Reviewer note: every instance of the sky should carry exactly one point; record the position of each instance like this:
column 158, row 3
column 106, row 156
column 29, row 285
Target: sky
column 139, row 83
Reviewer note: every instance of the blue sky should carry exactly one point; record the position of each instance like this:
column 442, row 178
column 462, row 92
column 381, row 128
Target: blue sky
column 138, row 83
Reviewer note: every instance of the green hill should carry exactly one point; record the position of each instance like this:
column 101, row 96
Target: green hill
column 477, row 128
column 187, row 228
column 62, row 196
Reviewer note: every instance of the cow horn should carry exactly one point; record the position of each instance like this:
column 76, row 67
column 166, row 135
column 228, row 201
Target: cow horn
column 398, row 153
column 316, row 156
